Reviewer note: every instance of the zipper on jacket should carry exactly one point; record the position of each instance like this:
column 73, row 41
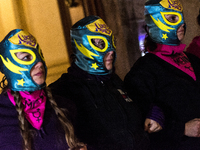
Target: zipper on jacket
column 102, row 83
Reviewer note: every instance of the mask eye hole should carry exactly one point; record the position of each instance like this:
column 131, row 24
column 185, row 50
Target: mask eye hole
column 24, row 56
column 98, row 43
column 172, row 18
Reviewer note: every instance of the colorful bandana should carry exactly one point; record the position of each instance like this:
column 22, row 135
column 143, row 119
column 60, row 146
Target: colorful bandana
column 17, row 71
column 160, row 29
column 176, row 57
column 34, row 106
column 89, row 57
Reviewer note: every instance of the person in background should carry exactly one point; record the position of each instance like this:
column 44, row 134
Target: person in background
column 107, row 119
column 168, row 78
column 29, row 116
column 194, row 47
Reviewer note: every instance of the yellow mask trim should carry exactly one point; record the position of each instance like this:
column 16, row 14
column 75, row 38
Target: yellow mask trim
column 21, row 82
column 12, row 52
column 30, row 42
column 95, row 66
column 99, row 26
column 85, row 51
column 113, row 41
column 12, row 67
column 161, row 25
column 164, row 36
column 172, row 4
column 95, row 47
column 171, row 13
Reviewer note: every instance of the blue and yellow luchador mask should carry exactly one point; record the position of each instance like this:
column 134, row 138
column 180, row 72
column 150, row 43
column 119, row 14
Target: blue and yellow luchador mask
column 17, row 71
column 160, row 29
column 88, row 56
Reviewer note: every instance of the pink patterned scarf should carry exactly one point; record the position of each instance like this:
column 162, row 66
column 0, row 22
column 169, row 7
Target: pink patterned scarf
column 176, row 57
column 34, row 106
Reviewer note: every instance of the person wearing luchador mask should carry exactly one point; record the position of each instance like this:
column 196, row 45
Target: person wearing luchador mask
column 168, row 78
column 107, row 119
column 29, row 116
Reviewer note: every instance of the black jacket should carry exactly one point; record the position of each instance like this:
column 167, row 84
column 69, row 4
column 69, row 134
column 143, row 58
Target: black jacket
column 105, row 120
column 153, row 80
